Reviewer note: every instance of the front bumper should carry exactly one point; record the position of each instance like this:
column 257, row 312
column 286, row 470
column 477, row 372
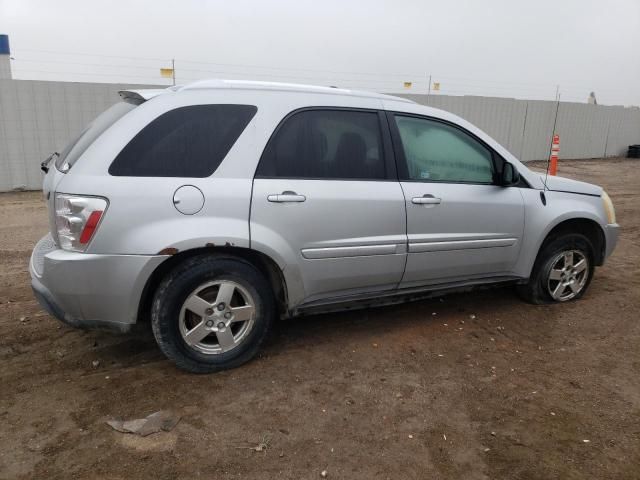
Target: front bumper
column 611, row 232
column 89, row 290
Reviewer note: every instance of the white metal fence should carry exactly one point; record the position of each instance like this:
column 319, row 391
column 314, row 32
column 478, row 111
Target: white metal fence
column 524, row 127
column 37, row 118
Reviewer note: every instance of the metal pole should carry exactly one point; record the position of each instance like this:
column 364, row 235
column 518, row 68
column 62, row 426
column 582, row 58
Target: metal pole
column 429, row 90
column 553, row 132
column 524, row 129
column 173, row 70
column 606, row 140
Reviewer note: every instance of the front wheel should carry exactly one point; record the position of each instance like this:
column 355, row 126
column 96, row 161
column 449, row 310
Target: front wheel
column 212, row 313
column 562, row 272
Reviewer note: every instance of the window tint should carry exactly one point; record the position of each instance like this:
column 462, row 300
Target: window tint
column 337, row 144
column 438, row 152
column 185, row 142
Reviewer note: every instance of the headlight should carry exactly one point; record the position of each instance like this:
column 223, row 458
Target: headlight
column 77, row 219
column 608, row 207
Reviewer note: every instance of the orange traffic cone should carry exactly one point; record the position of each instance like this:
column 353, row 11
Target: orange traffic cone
column 555, row 151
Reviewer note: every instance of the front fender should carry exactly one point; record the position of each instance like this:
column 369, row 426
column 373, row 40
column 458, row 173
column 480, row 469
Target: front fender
column 541, row 219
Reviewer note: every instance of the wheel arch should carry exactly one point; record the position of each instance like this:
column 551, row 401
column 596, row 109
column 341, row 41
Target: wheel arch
column 584, row 226
column 266, row 265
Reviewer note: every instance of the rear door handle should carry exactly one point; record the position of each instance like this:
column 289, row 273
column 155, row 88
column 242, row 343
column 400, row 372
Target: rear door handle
column 426, row 200
column 287, row 196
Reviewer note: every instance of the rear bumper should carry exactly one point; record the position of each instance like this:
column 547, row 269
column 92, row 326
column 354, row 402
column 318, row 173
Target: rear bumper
column 611, row 232
column 47, row 301
column 89, row 290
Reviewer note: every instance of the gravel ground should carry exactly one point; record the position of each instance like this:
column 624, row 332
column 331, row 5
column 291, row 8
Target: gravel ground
column 476, row 385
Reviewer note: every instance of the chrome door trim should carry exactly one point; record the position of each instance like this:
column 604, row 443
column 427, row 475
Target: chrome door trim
column 419, row 247
column 352, row 251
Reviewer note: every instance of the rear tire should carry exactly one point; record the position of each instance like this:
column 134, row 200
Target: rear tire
column 212, row 313
column 562, row 272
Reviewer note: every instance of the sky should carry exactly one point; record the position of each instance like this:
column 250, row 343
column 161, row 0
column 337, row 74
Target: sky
column 516, row 48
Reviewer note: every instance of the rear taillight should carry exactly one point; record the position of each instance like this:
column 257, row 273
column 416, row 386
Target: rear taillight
column 77, row 218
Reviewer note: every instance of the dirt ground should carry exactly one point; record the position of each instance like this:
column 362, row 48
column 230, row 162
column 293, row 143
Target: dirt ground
column 476, row 385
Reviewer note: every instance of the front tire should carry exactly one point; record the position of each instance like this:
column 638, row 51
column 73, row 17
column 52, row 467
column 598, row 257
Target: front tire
column 562, row 272
column 212, row 313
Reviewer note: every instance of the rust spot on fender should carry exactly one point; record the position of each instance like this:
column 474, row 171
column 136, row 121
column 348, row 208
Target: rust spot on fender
column 168, row 251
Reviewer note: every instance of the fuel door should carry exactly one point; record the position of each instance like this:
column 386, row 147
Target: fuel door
column 188, row 199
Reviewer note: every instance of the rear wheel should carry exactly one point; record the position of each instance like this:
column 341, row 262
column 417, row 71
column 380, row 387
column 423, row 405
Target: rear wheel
column 562, row 272
column 212, row 313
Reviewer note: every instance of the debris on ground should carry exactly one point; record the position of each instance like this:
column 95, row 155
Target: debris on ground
column 95, row 363
column 262, row 446
column 163, row 420
column 323, row 474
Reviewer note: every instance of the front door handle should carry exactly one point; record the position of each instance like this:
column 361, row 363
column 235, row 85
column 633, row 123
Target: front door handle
column 286, row 196
column 426, row 200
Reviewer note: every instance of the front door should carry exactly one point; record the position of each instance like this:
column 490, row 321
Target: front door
column 460, row 224
column 327, row 203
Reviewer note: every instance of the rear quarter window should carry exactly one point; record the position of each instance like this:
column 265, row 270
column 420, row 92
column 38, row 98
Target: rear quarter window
column 74, row 150
column 185, row 142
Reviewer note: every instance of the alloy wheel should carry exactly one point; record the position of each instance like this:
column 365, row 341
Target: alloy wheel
column 568, row 275
column 216, row 317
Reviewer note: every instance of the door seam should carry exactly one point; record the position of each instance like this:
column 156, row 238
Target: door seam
column 406, row 237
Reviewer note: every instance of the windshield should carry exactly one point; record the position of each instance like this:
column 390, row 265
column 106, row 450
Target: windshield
column 79, row 145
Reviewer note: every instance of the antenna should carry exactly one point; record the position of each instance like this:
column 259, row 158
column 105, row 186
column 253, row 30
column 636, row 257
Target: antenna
column 553, row 132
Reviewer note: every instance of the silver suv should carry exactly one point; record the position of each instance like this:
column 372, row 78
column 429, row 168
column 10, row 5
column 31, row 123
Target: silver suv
column 214, row 208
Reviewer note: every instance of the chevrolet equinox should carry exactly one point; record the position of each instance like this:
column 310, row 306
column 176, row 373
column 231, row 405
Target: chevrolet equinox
column 214, row 208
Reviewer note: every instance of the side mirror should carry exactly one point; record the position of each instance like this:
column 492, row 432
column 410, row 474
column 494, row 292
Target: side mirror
column 510, row 175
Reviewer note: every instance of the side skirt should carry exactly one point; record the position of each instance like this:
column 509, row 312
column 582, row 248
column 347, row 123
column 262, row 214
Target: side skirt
column 396, row 296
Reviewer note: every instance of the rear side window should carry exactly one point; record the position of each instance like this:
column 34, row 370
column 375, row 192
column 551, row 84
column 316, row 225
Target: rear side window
column 331, row 144
column 185, row 142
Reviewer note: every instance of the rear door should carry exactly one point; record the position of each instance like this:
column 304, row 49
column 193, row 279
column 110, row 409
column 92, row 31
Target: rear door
column 460, row 224
column 327, row 202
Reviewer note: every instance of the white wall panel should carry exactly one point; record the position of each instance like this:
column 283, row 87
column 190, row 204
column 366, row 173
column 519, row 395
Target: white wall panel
column 524, row 127
column 38, row 117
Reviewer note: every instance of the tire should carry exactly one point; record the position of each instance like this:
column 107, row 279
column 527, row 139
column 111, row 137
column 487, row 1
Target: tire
column 186, row 305
column 549, row 276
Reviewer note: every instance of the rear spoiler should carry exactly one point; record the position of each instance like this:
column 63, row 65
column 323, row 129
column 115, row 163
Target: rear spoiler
column 140, row 96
